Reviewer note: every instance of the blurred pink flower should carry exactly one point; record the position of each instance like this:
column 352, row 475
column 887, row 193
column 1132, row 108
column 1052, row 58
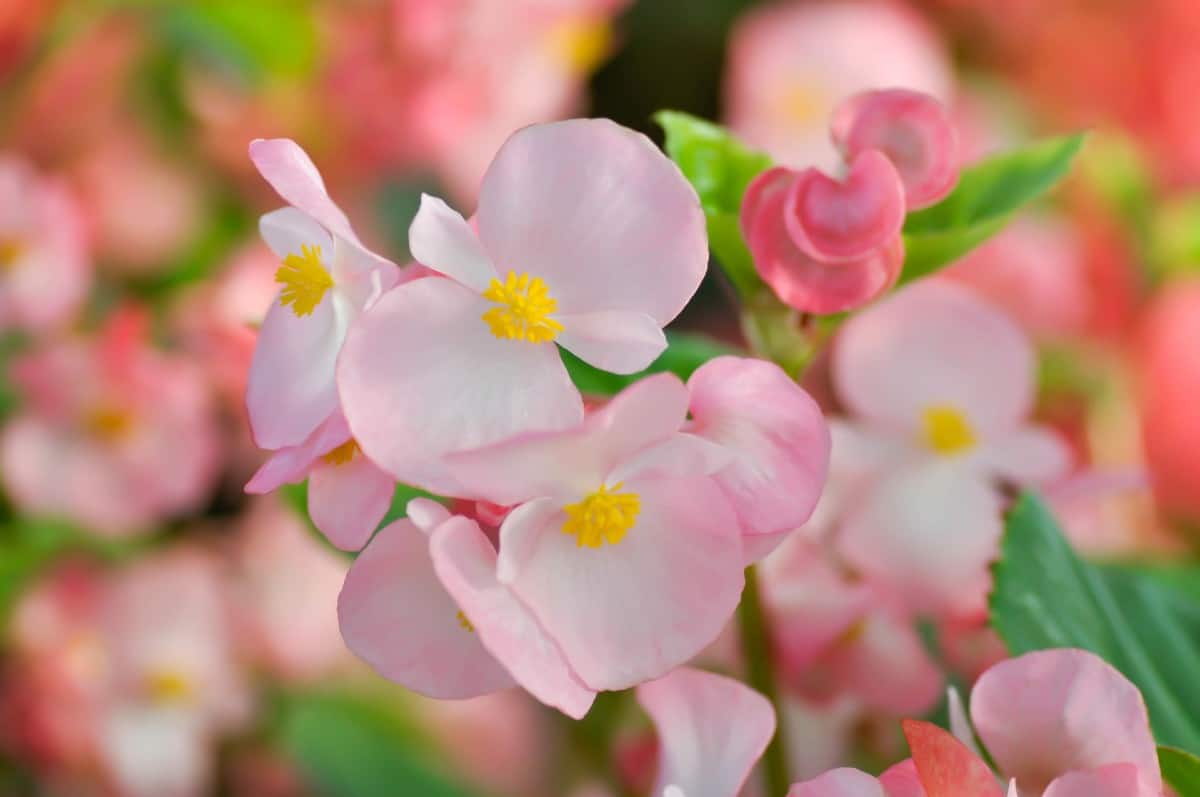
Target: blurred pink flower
column 45, row 271
column 610, row 243
column 793, row 63
column 113, row 435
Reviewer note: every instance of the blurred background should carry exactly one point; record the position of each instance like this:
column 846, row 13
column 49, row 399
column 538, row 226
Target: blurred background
column 167, row 635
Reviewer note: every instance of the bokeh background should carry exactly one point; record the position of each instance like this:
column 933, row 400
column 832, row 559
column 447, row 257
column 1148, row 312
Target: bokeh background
column 165, row 634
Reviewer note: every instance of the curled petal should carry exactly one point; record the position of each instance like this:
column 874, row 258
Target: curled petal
column 442, row 240
column 292, row 174
column 292, row 464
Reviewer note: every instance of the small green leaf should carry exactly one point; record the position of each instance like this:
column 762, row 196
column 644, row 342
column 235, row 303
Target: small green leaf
column 985, row 199
column 1181, row 771
column 1046, row 597
column 685, row 353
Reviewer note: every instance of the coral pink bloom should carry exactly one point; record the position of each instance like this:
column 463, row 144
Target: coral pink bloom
column 627, row 554
column 793, row 63
column 422, row 605
column 588, row 237
column 787, row 217
column 44, row 267
column 114, row 435
column 778, row 436
column 328, row 278
column 711, row 730
column 912, row 129
column 940, row 384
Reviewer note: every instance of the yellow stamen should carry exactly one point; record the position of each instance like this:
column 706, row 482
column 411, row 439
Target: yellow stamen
column 108, row 422
column 604, row 516
column 11, row 250
column 304, row 280
column 803, row 103
column 523, row 311
column 580, row 44
column 342, row 454
column 465, row 623
column 169, row 686
column 947, row 430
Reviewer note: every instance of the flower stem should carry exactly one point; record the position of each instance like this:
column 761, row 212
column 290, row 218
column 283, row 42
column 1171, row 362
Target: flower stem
column 756, row 650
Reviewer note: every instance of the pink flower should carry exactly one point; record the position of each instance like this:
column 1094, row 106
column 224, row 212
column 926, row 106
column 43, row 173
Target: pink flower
column 792, row 64
column 114, row 435
column 624, row 550
column 328, row 279
column 44, row 268
column 937, row 385
column 588, row 237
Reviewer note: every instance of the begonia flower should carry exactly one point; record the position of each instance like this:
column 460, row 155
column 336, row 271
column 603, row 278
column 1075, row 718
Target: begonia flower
column 328, row 278
column 938, row 386
column 586, row 237
column 44, row 268
column 622, row 547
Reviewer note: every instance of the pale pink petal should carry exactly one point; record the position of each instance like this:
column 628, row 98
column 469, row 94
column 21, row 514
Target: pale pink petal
column 599, row 213
column 466, row 564
column 885, row 665
column 287, row 230
column 711, row 731
column 421, row 376
column 1114, row 780
column 679, row 456
column 1053, row 711
column 629, row 612
column 519, row 535
column 1031, row 455
column 839, row 783
column 846, row 220
column 902, row 780
column 778, row 433
column 397, row 616
column 912, row 129
column 960, row 726
column 347, row 501
column 442, row 240
column 613, row 340
column 426, row 513
column 935, row 344
column 292, row 464
column 945, row 766
column 926, row 533
column 292, row 174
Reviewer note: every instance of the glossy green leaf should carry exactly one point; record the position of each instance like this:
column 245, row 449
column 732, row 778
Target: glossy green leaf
column 985, row 199
column 685, row 353
column 1047, row 597
column 1181, row 770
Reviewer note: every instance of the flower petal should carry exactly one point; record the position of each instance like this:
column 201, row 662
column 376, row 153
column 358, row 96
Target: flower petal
column 843, row 782
column 902, row 780
column 291, row 465
column 466, row 564
column 396, row 616
column 711, row 731
column 422, row 376
column 442, row 240
column 1031, row 455
column 1053, row 711
column 679, row 456
column 778, row 433
column 292, row 174
column 288, row 230
column 599, row 213
column 1114, row 780
column 348, row 500
column 946, row 767
column 613, row 340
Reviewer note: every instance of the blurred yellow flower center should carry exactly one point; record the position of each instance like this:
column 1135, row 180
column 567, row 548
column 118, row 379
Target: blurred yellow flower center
column 108, row 422
column 11, row 250
column 465, row 623
column 523, row 308
column 604, row 516
column 170, row 687
column 580, row 44
column 803, row 103
column 947, row 430
column 304, row 280
column 342, row 454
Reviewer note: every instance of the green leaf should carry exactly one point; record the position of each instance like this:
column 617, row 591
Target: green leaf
column 255, row 37
column 985, row 199
column 1046, row 597
column 1181, row 771
column 685, row 353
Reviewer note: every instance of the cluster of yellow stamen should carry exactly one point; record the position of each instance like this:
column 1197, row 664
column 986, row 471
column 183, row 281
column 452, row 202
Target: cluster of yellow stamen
column 167, row 687
column 523, row 308
column 581, row 43
column 108, row 422
column 604, row 516
column 11, row 250
column 947, row 429
column 465, row 623
column 304, row 280
column 342, row 454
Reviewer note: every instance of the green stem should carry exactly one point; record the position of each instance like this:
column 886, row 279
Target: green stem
column 756, row 650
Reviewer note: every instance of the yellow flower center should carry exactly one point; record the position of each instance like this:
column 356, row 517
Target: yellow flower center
column 523, row 308
column 11, row 249
column 580, row 44
column 167, row 686
column 109, row 423
column 304, row 280
column 947, row 430
column 465, row 623
column 803, row 103
column 342, row 454
column 604, row 516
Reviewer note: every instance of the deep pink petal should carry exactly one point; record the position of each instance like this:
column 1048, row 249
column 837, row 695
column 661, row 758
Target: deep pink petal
column 442, row 240
column 902, row 780
column 945, row 766
column 292, row 174
column 613, row 340
column 839, row 783
column 347, row 501
column 711, row 731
